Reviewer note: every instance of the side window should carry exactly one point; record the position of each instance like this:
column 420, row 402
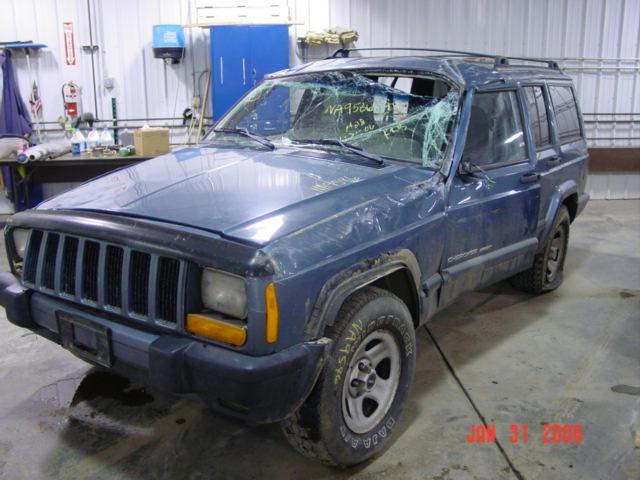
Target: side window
column 399, row 83
column 538, row 116
column 495, row 133
column 566, row 112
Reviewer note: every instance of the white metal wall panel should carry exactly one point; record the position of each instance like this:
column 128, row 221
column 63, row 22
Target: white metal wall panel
column 571, row 31
column 308, row 15
column 596, row 41
column 146, row 87
column 614, row 186
column 41, row 21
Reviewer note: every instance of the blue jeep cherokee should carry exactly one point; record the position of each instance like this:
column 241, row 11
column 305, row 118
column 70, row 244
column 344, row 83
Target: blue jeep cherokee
column 278, row 270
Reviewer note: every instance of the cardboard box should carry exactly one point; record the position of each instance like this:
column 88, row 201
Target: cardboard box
column 151, row 141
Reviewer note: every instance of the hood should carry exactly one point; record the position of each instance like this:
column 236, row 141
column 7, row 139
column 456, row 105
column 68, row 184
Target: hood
column 251, row 195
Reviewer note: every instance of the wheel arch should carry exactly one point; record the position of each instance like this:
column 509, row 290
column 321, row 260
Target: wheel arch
column 571, row 202
column 397, row 272
column 565, row 194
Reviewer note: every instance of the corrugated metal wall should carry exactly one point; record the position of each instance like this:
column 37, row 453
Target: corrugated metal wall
column 596, row 41
column 41, row 22
column 144, row 87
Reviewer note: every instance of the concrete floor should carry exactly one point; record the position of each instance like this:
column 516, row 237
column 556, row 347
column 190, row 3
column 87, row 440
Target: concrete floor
column 570, row 357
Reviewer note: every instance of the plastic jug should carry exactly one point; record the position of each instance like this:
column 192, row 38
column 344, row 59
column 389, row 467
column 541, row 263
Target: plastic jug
column 93, row 139
column 77, row 143
column 106, row 139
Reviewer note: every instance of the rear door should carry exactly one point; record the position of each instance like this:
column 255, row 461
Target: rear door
column 546, row 150
column 569, row 132
column 491, row 216
column 569, row 163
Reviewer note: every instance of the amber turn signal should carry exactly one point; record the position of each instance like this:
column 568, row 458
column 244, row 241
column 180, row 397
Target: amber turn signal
column 271, row 302
column 207, row 326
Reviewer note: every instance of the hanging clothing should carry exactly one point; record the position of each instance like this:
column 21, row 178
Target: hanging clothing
column 14, row 114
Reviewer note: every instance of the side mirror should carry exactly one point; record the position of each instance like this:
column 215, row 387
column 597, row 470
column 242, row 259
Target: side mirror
column 465, row 168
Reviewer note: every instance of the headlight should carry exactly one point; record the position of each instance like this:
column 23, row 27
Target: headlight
column 20, row 237
column 224, row 293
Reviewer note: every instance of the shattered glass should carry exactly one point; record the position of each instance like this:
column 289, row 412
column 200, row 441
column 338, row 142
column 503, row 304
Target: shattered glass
column 373, row 113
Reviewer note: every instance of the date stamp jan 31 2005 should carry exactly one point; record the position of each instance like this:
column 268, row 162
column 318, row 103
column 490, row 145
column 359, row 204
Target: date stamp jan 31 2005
column 551, row 433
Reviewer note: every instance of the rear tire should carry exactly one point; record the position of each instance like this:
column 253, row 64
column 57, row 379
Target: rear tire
column 356, row 403
column 547, row 271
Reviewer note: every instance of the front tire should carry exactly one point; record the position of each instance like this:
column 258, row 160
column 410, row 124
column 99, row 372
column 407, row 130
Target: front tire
column 547, row 271
column 356, row 403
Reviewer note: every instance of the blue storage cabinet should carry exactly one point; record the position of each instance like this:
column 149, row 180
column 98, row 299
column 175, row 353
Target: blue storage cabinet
column 241, row 55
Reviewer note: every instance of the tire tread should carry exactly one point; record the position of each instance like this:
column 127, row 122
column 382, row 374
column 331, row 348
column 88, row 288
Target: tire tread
column 301, row 428
column 532, row 280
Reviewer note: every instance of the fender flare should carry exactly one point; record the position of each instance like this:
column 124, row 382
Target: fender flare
column 339, row 287
column 560, row 194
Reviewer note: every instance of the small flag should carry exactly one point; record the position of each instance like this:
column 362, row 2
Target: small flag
column 34, row 101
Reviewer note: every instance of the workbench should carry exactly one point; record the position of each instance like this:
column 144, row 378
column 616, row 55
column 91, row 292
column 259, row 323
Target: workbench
column 62, row 169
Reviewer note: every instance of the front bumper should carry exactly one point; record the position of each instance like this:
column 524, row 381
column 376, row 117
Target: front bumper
column 257, row 389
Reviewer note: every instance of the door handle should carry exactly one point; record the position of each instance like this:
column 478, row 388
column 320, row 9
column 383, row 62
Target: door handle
column 221, row 71
column 244, row 73
column 529, row 177
column 554, row 160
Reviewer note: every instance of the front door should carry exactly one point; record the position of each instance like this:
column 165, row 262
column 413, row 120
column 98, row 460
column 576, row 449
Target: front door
column 492, row 213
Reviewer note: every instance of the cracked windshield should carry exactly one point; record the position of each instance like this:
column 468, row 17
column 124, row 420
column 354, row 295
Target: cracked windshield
column 376, row 116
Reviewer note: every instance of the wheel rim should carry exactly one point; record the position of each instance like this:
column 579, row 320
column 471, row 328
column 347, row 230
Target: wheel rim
column 556, row 255
column 371, row 382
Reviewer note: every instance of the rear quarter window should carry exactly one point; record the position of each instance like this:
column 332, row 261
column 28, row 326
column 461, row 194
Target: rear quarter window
column 566, row 113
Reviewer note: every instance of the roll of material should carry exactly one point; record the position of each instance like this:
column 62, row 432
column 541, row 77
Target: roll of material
column 44, row 151
column 10, row 146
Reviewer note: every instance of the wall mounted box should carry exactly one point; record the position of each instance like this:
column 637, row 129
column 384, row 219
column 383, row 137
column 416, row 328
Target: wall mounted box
column 168, row 42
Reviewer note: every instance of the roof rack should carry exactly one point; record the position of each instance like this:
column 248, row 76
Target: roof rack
column 499, row 60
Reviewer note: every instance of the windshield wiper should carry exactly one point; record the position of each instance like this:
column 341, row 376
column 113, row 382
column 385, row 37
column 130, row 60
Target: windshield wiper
column 246, row 133
column 339, row 143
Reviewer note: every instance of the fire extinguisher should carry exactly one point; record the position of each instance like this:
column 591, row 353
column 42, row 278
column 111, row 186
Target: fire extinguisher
column 71, row 101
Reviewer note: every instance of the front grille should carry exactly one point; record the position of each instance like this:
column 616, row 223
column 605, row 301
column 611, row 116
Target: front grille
column 90, row 270
column 168, row 269
column 31, row 262
column 139, row 282
column 69, row 262
column 133, row 283
column 113, row 268
column 49, row 261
